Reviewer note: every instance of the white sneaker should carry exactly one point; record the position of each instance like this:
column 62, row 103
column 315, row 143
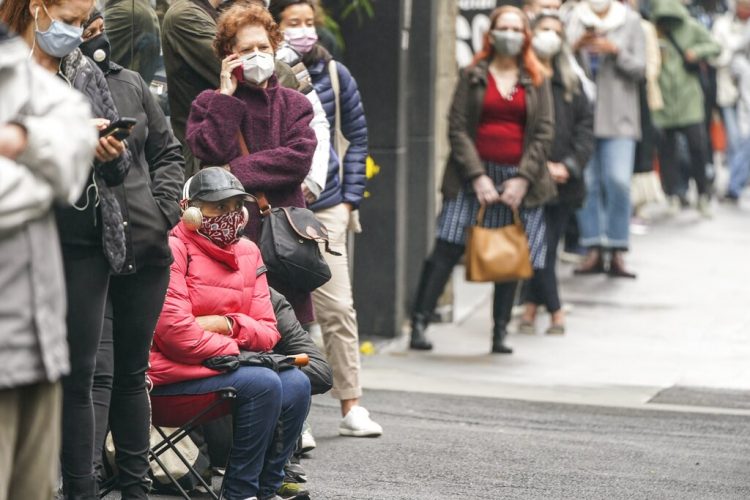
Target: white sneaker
column 358, row 423
column 308, row 440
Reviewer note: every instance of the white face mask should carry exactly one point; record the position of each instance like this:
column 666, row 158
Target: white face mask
column 599, row 6
column 546, row 44
column 258, row 67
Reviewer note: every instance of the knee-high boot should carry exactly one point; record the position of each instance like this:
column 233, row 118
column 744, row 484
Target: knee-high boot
column 435, row 274
column 502, row 307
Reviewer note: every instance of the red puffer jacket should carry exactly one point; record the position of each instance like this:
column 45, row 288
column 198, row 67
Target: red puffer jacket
column 206, row 280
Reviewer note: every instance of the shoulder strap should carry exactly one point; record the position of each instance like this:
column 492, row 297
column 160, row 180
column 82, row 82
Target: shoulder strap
column 334, row 74
column 260, row 197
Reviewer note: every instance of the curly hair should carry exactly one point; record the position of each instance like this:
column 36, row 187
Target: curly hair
column 238, row 16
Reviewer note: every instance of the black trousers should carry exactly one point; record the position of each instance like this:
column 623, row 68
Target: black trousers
column 542, row 289
column 120, row 396
column 669, row 161
column 437, row 271
column 86, row 282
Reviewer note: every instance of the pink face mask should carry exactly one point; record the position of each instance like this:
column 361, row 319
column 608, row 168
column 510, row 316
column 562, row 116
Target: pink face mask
column 223, row 230
column 301, row 39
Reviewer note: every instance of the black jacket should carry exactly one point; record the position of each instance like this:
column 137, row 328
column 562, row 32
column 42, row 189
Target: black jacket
column 100, row 225
column 574, row 139
column 150, row 195
column 295, row 340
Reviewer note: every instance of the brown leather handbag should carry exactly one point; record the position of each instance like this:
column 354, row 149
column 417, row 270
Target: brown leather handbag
column 497, row 254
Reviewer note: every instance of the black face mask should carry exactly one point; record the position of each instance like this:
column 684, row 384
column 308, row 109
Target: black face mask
column 98, row 49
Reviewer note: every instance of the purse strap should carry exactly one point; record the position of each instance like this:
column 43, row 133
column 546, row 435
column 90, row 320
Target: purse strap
column 260, row 197
column 483, row 211
column 335, row 85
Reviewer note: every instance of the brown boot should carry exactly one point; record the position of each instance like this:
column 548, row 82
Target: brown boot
column 617, row 266
column 593, row 263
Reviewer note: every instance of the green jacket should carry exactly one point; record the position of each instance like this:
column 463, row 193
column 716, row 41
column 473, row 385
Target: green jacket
column 680, row 87
column 133, row 31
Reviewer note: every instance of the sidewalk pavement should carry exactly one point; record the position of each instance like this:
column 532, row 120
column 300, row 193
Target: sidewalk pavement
column 682, row 325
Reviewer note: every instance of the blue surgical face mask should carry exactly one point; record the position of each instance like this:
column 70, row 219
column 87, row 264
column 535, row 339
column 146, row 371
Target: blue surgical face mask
column 60, row 39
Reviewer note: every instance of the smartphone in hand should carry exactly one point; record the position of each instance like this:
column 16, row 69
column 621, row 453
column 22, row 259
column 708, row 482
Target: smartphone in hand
column 119, row 129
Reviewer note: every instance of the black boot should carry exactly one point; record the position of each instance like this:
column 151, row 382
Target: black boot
column 435, row 274
column 502, row 307
column 498, row 337
column 418, row 338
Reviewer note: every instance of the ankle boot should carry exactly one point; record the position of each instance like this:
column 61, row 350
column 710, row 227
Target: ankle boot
column 593, row 263
column 418, row 339
column 498, row 340
column 617, row 266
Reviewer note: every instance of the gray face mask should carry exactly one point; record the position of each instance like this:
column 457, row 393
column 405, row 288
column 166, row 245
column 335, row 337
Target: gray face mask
column 507, row 42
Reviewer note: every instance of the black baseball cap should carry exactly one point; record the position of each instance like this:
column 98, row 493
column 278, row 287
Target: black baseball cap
column 213, row 184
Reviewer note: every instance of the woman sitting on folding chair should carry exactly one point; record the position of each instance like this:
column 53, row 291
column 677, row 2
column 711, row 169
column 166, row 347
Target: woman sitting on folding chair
column 217, row 304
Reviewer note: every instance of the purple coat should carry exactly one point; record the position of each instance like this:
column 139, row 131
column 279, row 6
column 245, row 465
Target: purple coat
column 275, row 123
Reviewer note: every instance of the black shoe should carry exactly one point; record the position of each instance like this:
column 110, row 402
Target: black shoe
column 418, row 339
column 617, row 267
column 498, row 337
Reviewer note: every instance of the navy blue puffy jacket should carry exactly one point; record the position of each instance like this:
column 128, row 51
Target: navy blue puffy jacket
column 354, row 127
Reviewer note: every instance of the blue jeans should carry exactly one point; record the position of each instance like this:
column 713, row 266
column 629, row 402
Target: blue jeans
column 739, row 168
column 732, row 130
column 269, row 413
column 738, row 153
column 604, row 219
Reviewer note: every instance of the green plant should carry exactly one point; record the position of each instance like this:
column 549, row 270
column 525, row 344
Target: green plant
column 361, row 8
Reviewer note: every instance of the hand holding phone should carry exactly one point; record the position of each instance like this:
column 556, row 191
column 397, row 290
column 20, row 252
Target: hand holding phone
column 119, row 129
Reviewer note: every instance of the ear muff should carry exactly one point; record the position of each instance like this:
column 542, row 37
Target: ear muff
column 192, row 218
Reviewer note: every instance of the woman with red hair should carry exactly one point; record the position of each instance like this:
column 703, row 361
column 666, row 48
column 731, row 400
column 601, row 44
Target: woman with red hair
column 501, row 130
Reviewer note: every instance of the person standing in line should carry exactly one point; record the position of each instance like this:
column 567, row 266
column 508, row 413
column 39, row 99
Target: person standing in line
column 151, row 192
column 278, row 151
column 684, row 45
column 38, row 168
column 608, row 38
column 571, row 151
column 191, row 64
column 732, row 32
column 501, row 130
column 343, row 192
column 92, row 231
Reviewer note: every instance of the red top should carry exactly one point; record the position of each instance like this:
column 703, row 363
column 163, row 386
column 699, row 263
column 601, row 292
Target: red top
column 501, row 126
column 204, row 280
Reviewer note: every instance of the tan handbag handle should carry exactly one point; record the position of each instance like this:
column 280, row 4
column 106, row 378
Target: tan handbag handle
column 483, row 210
column 260, row 197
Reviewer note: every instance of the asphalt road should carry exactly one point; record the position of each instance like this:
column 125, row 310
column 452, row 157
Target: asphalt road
column 486, row 448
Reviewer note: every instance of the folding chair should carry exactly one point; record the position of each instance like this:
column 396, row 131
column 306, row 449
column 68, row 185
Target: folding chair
column 185, row 413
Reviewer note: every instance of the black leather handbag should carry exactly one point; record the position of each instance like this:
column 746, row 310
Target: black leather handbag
column 290, row 242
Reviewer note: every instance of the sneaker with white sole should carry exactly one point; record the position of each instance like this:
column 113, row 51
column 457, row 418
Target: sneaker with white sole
column 357, row 423
column 307, row 440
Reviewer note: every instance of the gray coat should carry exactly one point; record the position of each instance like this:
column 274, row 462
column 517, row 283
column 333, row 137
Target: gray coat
column 617, row 107
column 53, row 168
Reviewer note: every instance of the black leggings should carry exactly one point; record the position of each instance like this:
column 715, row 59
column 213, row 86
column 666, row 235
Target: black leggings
column 669, row 163
column 86, row 282
column 542, row 288
column 436, row 273
column 120, row 397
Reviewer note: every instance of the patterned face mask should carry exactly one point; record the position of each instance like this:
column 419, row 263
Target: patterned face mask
column 224, row 230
